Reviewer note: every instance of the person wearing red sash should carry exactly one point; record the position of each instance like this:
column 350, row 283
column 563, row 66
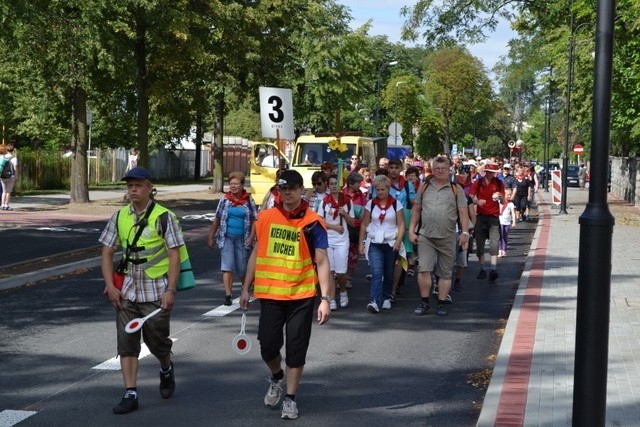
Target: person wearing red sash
column 234, row 224
column 381, row 234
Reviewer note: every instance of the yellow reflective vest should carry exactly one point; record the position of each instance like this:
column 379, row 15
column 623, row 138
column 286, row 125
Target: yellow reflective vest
column 150, row 252
column 284, row 265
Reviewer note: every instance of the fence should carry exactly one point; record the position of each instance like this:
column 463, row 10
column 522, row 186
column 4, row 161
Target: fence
column 51, row 170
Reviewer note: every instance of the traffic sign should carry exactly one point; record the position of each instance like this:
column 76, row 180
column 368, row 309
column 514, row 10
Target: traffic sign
column 395, row 129
column 578, row 149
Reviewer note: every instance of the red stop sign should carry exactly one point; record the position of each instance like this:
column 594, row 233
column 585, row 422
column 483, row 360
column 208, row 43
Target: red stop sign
column 578, row 149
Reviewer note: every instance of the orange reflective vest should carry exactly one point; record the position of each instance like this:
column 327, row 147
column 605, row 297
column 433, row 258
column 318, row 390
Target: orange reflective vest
column 284, row 266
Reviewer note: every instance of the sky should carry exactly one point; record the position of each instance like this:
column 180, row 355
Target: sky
column 387, row 21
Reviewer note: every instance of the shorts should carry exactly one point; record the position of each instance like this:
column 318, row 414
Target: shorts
column 234, row 256
column 338, row 257
column 520, row 203
column 487, row 227
column 296, row 317
column 440, row 252
column 155, row 331
column 8, row 184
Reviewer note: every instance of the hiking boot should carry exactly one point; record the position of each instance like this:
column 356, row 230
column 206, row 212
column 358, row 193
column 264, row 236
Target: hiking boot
column 373, row 307
column 289, row 409
column 482, row 274
column 422, row 309
column 167, row 383
column 128, row 403
column 441, row 310
column 272, row 398
column 493, row 275
column 386, row 304
column 227, row 300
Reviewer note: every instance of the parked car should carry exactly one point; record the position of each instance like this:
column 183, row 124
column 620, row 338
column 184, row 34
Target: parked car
column 572, row 176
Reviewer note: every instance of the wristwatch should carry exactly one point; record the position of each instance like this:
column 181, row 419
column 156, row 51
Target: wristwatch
column 466, row 233
column 326, row 298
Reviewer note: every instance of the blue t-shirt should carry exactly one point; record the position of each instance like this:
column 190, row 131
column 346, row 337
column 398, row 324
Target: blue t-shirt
column 319, row 236
column 235, row 221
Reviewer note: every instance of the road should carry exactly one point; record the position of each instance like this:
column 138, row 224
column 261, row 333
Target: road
column 391, row 368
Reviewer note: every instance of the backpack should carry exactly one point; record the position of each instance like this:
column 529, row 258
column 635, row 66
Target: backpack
column 7, row 167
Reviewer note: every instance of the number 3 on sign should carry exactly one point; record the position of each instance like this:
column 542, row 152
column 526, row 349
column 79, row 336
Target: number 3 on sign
column 276, row 112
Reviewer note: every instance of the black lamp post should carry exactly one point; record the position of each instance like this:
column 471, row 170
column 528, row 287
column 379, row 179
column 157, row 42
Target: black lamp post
column 381, row 67
column 567, row 123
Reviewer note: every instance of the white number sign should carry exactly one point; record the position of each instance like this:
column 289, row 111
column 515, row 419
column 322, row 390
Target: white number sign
column 276, row 113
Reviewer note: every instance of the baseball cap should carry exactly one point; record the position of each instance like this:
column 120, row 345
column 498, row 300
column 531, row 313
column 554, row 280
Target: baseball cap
column 137, row 173
column 507, row 166
column 395, row 162
column 290, row 177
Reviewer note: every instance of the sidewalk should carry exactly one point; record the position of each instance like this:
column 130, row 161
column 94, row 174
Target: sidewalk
column 30, row 202
column 532, row 383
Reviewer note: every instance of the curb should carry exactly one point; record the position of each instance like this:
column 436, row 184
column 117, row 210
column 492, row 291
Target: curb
column 23, row 279
column 489, row 412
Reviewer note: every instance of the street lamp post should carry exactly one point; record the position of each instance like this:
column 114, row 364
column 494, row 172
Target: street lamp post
column 381, row 67
column 567, row 132
column 395, row 108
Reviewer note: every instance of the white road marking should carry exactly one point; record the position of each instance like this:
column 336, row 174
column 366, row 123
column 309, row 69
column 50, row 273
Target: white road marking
column 223, row 310
column 9, row 417
column 113, row 364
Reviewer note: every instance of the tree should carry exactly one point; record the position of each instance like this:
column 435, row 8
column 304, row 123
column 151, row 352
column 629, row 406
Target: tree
column 456, row 84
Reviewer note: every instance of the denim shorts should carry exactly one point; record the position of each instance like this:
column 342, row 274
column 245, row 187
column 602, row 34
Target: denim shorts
column 234, row 256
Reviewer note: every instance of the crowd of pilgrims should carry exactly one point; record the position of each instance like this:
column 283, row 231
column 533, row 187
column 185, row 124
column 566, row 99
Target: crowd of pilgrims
column 378, row 199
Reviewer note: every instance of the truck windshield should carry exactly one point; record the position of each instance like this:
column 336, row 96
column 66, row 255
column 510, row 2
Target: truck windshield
column 315, row 153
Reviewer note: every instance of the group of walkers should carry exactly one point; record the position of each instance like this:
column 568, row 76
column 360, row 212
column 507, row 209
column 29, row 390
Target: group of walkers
column 406, row 218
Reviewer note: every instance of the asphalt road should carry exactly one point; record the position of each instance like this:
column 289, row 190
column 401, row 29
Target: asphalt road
column 387, row 369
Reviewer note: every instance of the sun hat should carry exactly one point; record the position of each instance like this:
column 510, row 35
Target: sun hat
column 491, row 166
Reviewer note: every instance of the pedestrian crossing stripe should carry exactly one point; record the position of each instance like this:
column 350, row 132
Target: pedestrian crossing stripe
column 113, row 364
column 10, row 417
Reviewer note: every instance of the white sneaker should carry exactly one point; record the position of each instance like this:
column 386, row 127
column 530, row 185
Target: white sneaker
column 332, row 305
column 386, row 304
column 289, row 409
column 344, row 300
column 272, row 398
column 373, row 307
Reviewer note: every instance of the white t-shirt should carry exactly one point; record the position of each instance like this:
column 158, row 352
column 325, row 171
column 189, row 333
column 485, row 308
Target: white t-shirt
column 505, row 214
column 326, row 211
column 388, row 225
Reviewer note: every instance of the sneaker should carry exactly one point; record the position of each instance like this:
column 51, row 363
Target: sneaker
column 435, row 289
column 457, row 285
column 128, row 403
column 482, row 274
column 8, row 208
column 344, row 300
column 289, row 409
column 272, row 398
column 441, row 310
column 386, row 304
column 167, row 383
column 333, row 306
column 373, row 307
column 448, row 300
column 410, row 272
column 227, row 300
column 493, row 275
column 368, row 277
column 422, row 309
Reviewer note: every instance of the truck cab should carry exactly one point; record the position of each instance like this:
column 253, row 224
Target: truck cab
column 313, row 150
column 265, row 160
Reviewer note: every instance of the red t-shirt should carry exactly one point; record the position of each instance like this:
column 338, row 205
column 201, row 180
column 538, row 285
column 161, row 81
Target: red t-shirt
column 485, row 192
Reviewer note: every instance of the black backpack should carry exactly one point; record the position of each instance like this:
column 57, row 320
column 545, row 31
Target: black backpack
column 7, row 168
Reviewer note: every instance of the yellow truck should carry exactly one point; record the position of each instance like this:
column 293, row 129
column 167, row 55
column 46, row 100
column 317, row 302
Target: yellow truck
column 265, row 160
column 312, row 150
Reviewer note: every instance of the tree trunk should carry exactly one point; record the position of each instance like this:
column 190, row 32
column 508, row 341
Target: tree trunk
column 142, row 121
column 218, row 132
column 199, row 132
column 79, row 191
